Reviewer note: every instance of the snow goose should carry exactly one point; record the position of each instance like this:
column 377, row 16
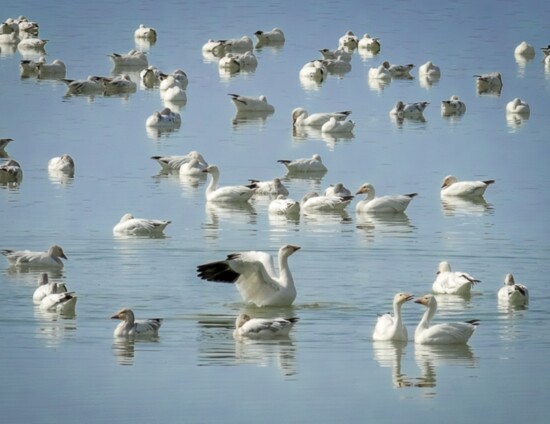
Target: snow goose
column 54, row 70
column 348, row 40
column 524, row 49
column 385, row 204
column 242, row 44
column 229, row 194
column 452, row 282
column 447, row 333
column 453, row 106
column 214, row 47
column 130, row 327
column 262, row 328
column 273, row 187
column 314, row 164
column 11, row 39
column 334, row 126
column 487, row 83
column 150, row 34
column 91, row 85
column 255, row 276
column 337, row 66
column 282, row 205
column 409, row 110
column 46, row 287
column 275, row 36
column 315, row 70
column 28, row 259
column 193, row 168
column 452, row 187
column 63, row 164
column 399, row 71
column 120, row 84
column 337, row 189
column 513, row 293
column 312, row 202
column 335, row 54
column 251, row 104
column 132, row 59
column 150, row 76
column 518, row 106
column 63, row 302
column 11, row 172
column 301, row 118
column 380, row 73
column 29, row 67
column 131, row 226
column 390, row 326
column 32, row 44
column 369, row 43
column 172, row 80
column 174, row 163
column 174, row 94
column 164, row 119
column 429, row 70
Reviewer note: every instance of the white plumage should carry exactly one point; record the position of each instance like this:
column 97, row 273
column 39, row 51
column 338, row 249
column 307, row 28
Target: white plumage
column 29, row 259
column 452, row 187
column 255, row 276
column 348, row 40
column 130, row 327
column 284, row 206
column 32, row 44
column 313, row 165
column 91, row 85
column 490, row 82
column 409, row 110
column 120, row 84
column 337, row 189
column 390, row 326
column 275, row 36
column 452, row 282
column 46, row 287
column 272, row 187
column 380, row 73
column 251, row 104
column 525, row 49
column 63, row 302
column 54, row 70
column 399, row 71
column 518, row 106
column 369, row 43
column 150, row 34
column 335, row 54
column 429, row 70
column 164, row 119
column 11, row 172
column 334, row 126
column 174, row 163
column 132, row 59
column 225, row 194
column 300, row 117
column 437, row 334
column 129, row 225
column 262, row 328
column 63, row 163
column 315, row 70
column 312, row 202
column 453, row 106
column 385, row 204
column 513, row 293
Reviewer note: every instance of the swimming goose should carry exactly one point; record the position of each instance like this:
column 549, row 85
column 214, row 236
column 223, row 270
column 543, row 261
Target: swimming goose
column 447, row 333
column 63, row 163
column 409, row 110
column 150, row 76
column 11, row 172
column 164, row 119
column 525, row 49
column 369, row 43
column 518, row 106
column 398, row 71
column 32, row 44
column 429, row 70
column 313, row 202
column 242, row 44
column 129, row 225
column 335, row 54
column 148, row 33
column 348, row 40
column 315, row 70
column 513, row 293
column 193, row 168
column 46, row 287
column 132, row 59
column 91, row 85
column 229, row 194
column 314, row 164
column 282, row 205
column 251, row 104
column 255, row 276
column 275, row 36
column 29, row 68
column 272, row 187
column 262, row 328
column 491, row 82
column 380, row 73
column 333, row 126
column 174, row 94
column 234, row 62
column 385, row 204
column 301, row 118
column 63, row 302
column 174, row 163
column 130, row 327
column 453, row 106
column 390, row 326
column 28, row 259
column 452, row 187
column 11, row 39
column 177, row 78
column 54, row 70
column 337, row 189
column 120, row 84
column 452, row 282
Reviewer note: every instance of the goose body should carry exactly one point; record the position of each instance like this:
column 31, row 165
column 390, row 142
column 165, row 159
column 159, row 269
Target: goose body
column 313, row 165
column 399, row 71
column 329, row 54
column 441, row 334
column 284, row 206
column 242, row 44
column 174, row 163
column 337, row 189
column 348, row 40
column 129, row 225
column 225, row 194
column 518, row 106
column 452, row 187
column 29, row 67
column 315, row 70
column 452, row 282
column 29, row 259
column 380, row 73
column 46, row 287
column 524, row 49
column 453, row 106
column 273, row 187
column 148, row 33
column 91, row 85
column 11, row 172
column 32, row 44
column 334, row 126
column 132, row 59
column 130, row 327
column 251, row 104
column 276, row 35
column 255, row 276
column 150, row 76
column 63, row 163
column 489, row 82
column 313, row 202
column 301, row 118
column 390, row 326
column 262, row 328
column 429, row 70
column 337, row 66
column 513, row 293
column 120, row 84
column 370, row 43
column 164, row 119
column 56, row 69
column 384, row 204
column 63, row 302
column 409, row 110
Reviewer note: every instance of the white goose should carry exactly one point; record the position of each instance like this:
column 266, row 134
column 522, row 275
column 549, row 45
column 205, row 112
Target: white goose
column 313, row 165
column 174, row 163
column 63, row 164
column 380, row 73
column 385, row 204
column 429, row 70
column 255, row 276
column 337, row 66
column 315, row 70
column 120, row 84
column 226, row 194
column 312, row 202
column 452, row 282
column 391, row 327
column 54, row 70
column 251, row 104
column 150, row 76
column 262, row 328
column 63, row 301
column 130, row 327
column 524, row 49
column 337, row 189
column 441, row 334
column 334, row 126
column 46, row 287
column 164, row 119
column 399, row 71
column 513, row 293
column 129, row 225
column 29, row 259
column 335, row 54
column 369, row 43
column 275, row 36
column 283, row 206
column 193, row 168
column 453, row 106
column 273, row 187
column 91, row 85
column 348, row 40
column 32, row 44
column 409, row 110
column 518, row 106
column 452, row 187
column 29, row 67
column 150, row 34
column 301, row 118
column 489, row 82
column 11, row 172
column 132, row 59
column 243, row 44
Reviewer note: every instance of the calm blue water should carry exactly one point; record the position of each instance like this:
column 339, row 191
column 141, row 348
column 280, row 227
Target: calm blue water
column 58, row 369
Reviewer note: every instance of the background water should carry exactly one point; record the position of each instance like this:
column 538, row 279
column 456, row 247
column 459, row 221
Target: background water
column 58, row 369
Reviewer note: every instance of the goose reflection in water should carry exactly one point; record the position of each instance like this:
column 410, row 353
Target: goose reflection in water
column 233, row 214
column 53, row 327
column 456, row 206
column 385, row 224
column 250, row 119
column 389, row 354
column 124, row 348
column 516, row 120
